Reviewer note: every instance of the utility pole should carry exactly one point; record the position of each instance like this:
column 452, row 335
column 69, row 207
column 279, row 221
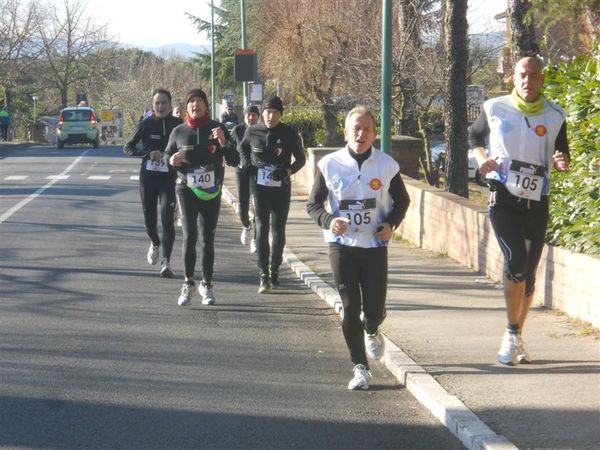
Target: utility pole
column 243, row 19
column 212, row 58
column 35, row 99
column 386, row 75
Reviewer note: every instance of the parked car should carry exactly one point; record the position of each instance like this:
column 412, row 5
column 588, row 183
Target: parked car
column 438, row 158
column 77, row 125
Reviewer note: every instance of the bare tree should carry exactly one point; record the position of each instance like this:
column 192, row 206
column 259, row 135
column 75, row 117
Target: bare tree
column 455, row 103
column 314, row 47
column 18, row 47
column 133, row 76
column 413, row 15
column 70, row 40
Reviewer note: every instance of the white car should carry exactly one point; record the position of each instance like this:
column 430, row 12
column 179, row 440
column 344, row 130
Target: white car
column 438, row 156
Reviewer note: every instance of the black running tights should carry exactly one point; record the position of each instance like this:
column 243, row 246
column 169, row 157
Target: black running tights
column 361, row 279
column 155, row 188
column 199, row 217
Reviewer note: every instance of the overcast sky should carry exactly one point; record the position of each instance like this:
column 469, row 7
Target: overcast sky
column 154, row 23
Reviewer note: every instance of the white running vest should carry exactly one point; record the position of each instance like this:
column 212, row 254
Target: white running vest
column 525, row 138
column 360, row 196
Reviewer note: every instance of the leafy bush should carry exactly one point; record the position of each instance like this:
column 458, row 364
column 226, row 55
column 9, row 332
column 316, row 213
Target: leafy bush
column 307, row 122
column 575, row 205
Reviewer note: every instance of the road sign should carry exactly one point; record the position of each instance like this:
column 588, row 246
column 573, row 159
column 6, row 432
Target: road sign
column 256, row 92
column 245, row 65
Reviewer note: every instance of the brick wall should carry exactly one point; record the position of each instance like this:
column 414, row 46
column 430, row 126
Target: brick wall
column 448, row 224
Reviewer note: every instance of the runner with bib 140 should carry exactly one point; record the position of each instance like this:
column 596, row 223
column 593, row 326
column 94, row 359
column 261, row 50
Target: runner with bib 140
column 198, row 149
column 527, row 136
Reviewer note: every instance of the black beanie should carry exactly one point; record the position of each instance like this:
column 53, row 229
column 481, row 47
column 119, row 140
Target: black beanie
column 273, row 102
column 252, row 109
column 196, row 93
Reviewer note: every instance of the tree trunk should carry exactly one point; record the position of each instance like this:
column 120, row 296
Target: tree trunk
column 408, row 121
column 455, row 104
column 593, row 14
column 408, row 24
column 330, row 125
column 7, row 99
column 522, row 34
column 64, row 97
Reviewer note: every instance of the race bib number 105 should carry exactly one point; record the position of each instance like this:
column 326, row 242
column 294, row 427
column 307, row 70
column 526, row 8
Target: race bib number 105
column 361, row 213
column 525, row 180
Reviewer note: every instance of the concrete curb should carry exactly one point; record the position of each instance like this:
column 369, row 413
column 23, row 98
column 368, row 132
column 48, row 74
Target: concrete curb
column 448, row 409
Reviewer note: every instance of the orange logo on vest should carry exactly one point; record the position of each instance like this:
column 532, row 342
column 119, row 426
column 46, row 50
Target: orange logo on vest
column 375, row 184
column 540, row 130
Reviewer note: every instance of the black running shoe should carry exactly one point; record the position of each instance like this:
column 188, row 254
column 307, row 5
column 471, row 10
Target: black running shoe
column 274, row 280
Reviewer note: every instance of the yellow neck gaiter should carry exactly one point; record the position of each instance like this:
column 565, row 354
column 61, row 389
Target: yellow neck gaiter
column 527, row 108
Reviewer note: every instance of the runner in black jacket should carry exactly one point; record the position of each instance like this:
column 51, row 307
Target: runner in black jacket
column 251, row 116
column 157, row 181
column 197, row 149
column 267, row 149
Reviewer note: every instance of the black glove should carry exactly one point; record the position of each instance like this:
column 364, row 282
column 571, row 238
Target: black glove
column 279, row 174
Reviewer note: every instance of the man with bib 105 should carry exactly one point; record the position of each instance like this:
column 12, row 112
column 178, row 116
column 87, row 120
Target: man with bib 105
column 527, row 136
column 359, row 198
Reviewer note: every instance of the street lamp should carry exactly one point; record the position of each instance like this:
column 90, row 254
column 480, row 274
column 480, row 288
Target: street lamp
column 35, row 98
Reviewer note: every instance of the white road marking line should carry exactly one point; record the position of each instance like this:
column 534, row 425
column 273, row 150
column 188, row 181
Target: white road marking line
column 58, row 177
column 16, row 177
column 23, row 202
column 99, row 177
column 134, row 177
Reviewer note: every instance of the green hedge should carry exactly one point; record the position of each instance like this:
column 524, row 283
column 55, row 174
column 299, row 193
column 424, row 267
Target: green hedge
column 575, row 195
column 309, row 122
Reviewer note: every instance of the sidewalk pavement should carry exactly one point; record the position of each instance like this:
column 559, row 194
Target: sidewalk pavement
column 15, row 144
column 443, row 329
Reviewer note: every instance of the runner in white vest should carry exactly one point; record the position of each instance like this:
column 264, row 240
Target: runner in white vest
column 366, row 200
column 527, row 136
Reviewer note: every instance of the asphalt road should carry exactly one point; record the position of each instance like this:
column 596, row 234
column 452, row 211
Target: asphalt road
column 95, row 353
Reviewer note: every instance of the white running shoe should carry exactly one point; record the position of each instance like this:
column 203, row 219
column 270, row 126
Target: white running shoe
column 523, row 354
column 374, row 345
column 362, row 377
column 165, row 268
column 263, row 285
column 152, row 256
column 187, row 291
column 207, row 294
column 246, row 234
column 509, row 349
column 253, row 246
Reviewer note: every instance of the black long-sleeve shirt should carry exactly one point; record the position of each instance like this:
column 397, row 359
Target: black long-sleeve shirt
column 199, row 149
column 237, row 136
column 154, row 134
column 262, row 146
